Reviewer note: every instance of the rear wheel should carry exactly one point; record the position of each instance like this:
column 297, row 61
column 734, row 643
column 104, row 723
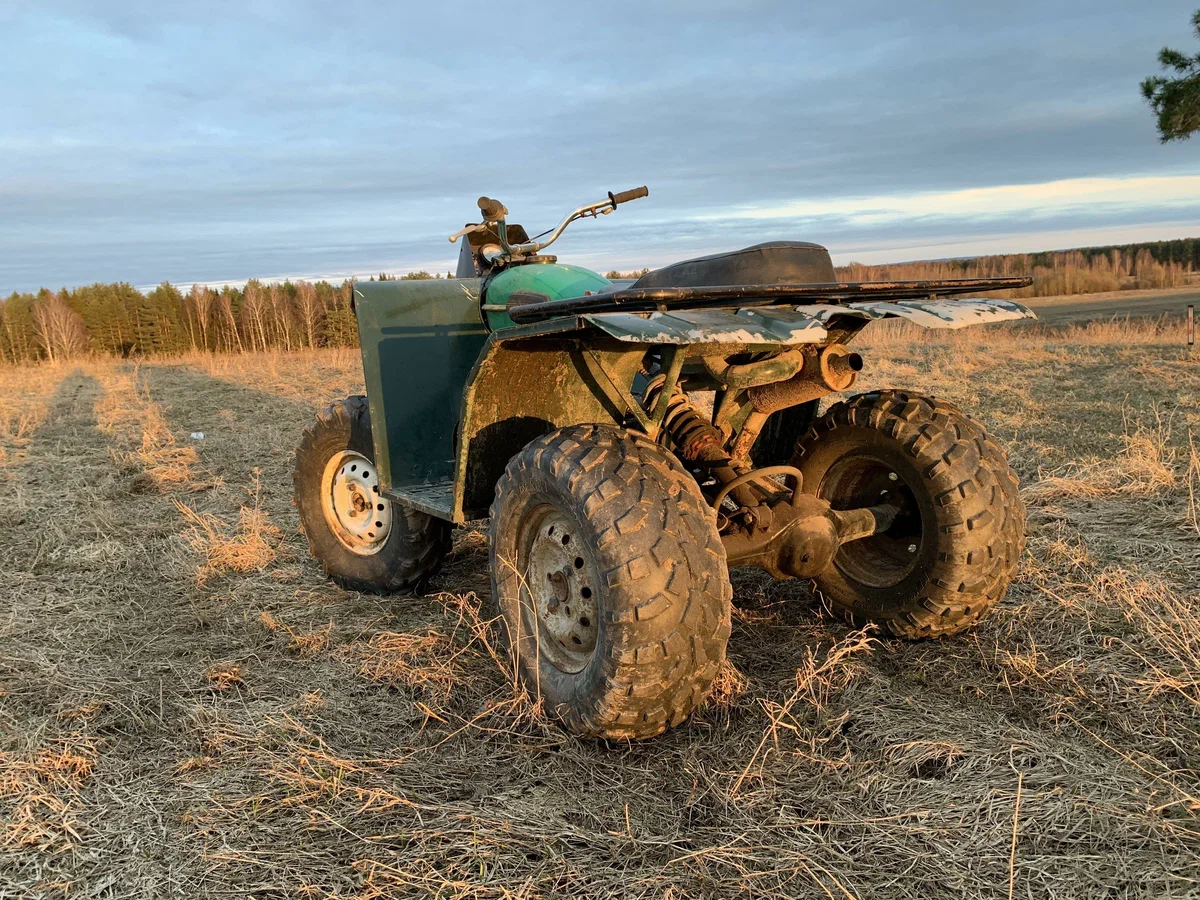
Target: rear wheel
column 610, row 581
column 953, row 549
column 364, row 541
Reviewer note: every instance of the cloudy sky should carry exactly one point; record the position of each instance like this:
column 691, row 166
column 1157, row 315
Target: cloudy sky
column 143, row 140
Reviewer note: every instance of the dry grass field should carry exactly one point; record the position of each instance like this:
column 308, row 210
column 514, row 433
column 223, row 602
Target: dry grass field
column 187, row 708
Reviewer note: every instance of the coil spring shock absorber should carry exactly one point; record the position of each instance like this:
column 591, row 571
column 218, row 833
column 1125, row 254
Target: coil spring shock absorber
column 685, row 430
column 690, row 436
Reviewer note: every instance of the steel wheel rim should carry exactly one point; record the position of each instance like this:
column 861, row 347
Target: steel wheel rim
column 357, row 514
column 558, row 590
column 885, row 560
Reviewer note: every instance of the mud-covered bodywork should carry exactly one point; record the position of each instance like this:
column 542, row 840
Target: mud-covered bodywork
column 795, row 325
column 450, row 405
column 456, row 389
column 527, row 386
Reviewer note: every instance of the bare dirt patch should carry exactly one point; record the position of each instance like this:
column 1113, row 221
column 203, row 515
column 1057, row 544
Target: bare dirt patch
column 187, row 708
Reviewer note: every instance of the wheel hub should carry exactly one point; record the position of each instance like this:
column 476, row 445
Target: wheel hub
column 358, row 515
column 886, row 558
column 561, row 582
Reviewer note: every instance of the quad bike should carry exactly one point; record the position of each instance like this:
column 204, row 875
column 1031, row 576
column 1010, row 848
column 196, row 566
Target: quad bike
column 632, row 440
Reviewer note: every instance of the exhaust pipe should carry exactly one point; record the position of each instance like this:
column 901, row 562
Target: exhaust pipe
column 830, row 370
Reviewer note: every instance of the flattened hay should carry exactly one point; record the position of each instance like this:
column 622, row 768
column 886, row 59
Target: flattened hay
column 188, row 708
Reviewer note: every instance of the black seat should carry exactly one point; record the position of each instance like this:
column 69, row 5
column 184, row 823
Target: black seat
column 777, row 262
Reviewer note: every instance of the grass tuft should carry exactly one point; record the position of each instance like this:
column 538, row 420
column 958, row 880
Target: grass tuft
column 39, row 792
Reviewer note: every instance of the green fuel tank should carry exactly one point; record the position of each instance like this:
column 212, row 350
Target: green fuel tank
column 554, row 280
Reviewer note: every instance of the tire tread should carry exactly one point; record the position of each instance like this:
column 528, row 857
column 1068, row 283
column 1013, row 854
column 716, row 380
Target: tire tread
column 668, row 591
column 976, row 495
column 426, row 540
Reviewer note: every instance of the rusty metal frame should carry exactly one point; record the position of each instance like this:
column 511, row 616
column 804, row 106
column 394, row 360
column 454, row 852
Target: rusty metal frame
column 616, row 391
column 673, row 359
column 531, row 380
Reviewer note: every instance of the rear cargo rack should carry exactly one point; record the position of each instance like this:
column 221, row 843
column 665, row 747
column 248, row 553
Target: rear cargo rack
column 524, row 307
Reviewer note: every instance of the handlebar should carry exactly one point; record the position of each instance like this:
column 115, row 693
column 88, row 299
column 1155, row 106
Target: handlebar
column 626, row 196
column 494, row 212
column 491, row 209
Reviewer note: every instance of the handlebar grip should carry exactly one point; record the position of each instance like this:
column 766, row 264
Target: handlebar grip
column 492, row 209
column 626, row 196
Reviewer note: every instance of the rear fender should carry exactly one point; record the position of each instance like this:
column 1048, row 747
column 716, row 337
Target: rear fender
column 793, row 325
column 524, row 387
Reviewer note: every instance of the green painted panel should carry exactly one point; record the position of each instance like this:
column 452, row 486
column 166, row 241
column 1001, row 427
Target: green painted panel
column 555, row 280
column 419, row 341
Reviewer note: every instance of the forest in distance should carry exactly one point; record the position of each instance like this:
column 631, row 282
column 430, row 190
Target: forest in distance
column 119, row 320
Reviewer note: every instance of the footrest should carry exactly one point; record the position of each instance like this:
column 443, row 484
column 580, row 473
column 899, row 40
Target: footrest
column 435, row 499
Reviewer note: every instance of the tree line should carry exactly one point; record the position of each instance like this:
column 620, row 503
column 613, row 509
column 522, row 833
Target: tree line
column 119, row 320
column 1156, row 264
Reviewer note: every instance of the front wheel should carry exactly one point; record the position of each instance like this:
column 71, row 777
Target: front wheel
column 951, row 552
column 364, row 541
column 610, row 581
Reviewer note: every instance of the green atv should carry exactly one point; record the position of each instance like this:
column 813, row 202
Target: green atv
column 632, row 440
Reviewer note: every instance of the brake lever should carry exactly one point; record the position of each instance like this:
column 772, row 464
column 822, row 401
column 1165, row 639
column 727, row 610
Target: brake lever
column 470, row 229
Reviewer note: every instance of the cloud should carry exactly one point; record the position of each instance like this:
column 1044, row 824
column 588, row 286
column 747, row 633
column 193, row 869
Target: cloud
column 225, row 140
column 1043, row 199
